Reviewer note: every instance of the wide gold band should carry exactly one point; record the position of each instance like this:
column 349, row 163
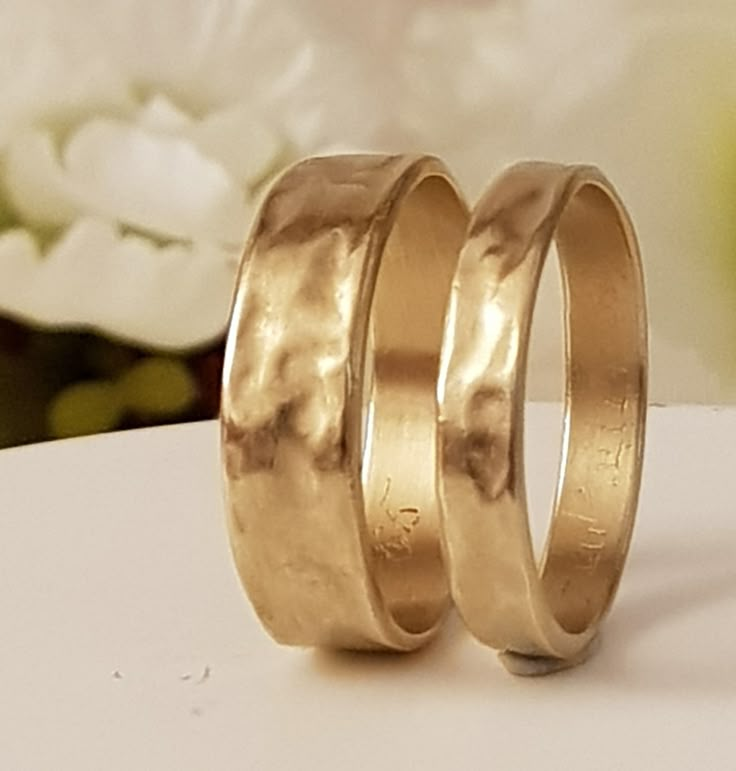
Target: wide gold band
column 542, row 617
column 328, row 410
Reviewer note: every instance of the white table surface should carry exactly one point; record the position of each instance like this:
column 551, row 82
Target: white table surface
column 126, row 643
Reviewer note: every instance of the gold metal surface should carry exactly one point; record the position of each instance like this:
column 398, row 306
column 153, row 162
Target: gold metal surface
column 542, row 617
column 328, row 411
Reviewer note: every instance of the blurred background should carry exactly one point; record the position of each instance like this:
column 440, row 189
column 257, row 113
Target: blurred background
column 137, row 137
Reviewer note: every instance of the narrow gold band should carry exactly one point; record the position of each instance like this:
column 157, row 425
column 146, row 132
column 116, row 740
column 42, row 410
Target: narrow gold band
column 328, row 411
column 546, row 617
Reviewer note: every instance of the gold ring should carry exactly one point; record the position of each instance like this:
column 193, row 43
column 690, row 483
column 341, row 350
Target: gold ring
column 542, row 618
column 328, row 412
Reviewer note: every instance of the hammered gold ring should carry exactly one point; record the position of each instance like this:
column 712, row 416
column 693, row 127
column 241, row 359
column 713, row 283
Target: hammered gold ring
column 542, row 617
column 328, row 413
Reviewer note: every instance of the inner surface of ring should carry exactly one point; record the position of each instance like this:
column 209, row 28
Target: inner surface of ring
column 593, row 516
column 407, row 316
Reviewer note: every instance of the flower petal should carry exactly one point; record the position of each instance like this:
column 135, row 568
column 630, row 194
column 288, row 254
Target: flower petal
column 240, row 142
column 35, row 183
column 153, row 182
column 172, row 297
column 55, row 65
column 160, row 114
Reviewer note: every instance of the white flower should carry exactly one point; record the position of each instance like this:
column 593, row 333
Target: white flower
column 144, row 217
column 125, row 197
